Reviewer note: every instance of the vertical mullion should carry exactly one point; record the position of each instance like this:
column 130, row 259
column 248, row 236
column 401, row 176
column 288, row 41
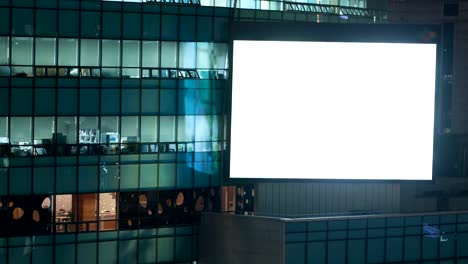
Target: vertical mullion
column 119, row 121
column 54, row 120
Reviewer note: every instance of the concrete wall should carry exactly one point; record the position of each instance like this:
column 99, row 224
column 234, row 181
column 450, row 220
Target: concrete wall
column 234, row 239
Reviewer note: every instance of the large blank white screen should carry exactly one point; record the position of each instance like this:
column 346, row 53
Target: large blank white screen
column 316, row 110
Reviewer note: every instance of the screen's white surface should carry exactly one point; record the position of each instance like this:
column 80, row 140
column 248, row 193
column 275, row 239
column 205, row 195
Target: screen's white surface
column 316, row 110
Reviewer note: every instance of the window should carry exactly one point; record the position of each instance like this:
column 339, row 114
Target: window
column 21, row 130
column 150, row 54
column 4, row 51
column 168, row 54
column 66, row 130
column 68, row 52
column 45, row 51
column 149, row 129
column 21, row 49
column 167, row 129
column 89, row 52
column 43, row 130
column 187, row 55
column 110, row 53
column 131, row 53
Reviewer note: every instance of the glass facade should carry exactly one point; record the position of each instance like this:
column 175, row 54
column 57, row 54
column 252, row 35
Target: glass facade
column 112, row 125
column 436, row 238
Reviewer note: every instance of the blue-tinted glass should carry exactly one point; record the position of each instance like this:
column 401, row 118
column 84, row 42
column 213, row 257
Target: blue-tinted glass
column 21, row 101
column 184, row 175
column 127, row 251
column 183, row 248
column 295, row 253
column 111, row 25
column 44, row 180
column 5, row 21
column 108, row 252
column 204, row 32
column 166, row 249
column 4, row 101
column 221, row 29
column 86, row 253
column 90, row 24
column 149, row 101
column 67, row 102
column 170, row 25
column 46, row 22
column 148, row 176
column 129, row 177
column 130, row 101
column 23, row 23
column 110, row 101
column 131, row 26
column 20, row 181
column 66, row 179
column 68, row 23
column 168, row 102
column 89, row 101
column 147, row 250
column 88, row 179
column 187, row 101
column 151, row 26
column 43, row 254
column 43, row 103
column 167, row 175
column 187, row 28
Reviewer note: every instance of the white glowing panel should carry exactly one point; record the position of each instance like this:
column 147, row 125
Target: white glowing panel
column 334, row 110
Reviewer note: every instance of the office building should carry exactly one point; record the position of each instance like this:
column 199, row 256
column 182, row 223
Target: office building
column 112, row 126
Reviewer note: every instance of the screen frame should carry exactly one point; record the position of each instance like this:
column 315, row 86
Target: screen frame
column 324, row 32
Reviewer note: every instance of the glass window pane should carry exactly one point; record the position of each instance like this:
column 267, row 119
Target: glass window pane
column 4, row 50
column 110, row 129
column 89, row 101
column 130, row 101
column 129, row 177
column 131, row 53
column 186, row 128
column 202, row 128
column 88, row 179
column 68, row 52
column 148, row 175
column 46, row 22
column 66, row 130
column 23, row 23
column 68, row 23
column 5, row 21
column 20, row 181
column 149, row 101
column 170, row 25
column 168, row 54
column 89, row 52
column 43, row 105
column 130, row 129
column 110, row 101
column 21, row 51
column 131, row 25
column 67, row 101
column 45, row 51
column 21, row 101
column 111, row 25
column 187, row 55
column 43, row 129
column 21, row 130
column 110, row 53
column 66, row 179
column 167, row 175
column 168, row 101
column 167, row 129
column 151, row 26
column 149, row 129
column 4, row 131
column 204, row 55
column 220, row 56
column 150, row 54
column 90, row 24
